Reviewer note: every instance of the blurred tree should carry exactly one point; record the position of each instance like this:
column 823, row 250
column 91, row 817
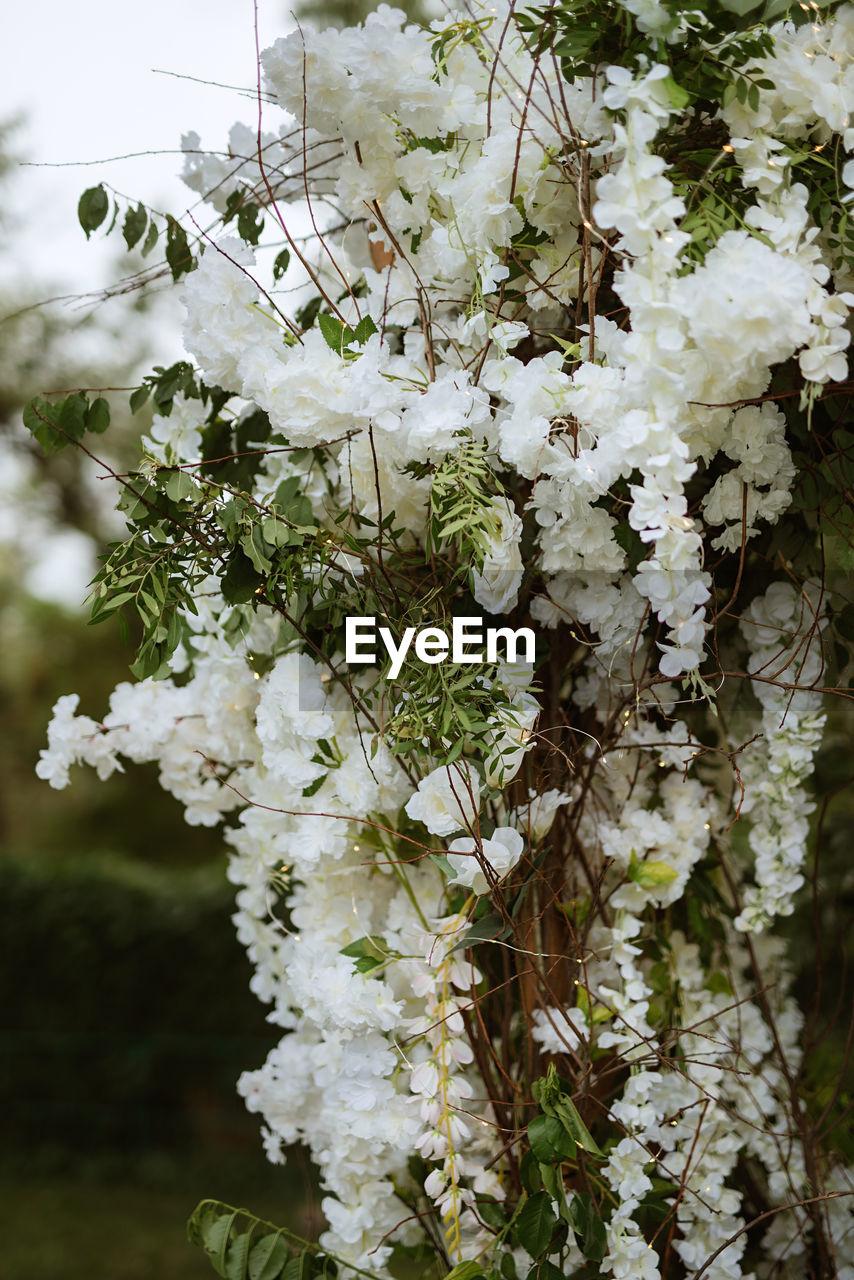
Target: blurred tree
column 55, row 516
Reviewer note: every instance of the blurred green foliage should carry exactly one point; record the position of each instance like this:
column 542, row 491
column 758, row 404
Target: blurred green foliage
column 48, row 652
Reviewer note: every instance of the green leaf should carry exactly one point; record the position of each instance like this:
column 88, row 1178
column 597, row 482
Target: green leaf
column 508, row 1267
column 492, row 1212
column 225, row 1234
column 215, row 1232
column 98, row 416
column 150, row 239
column 276, row 532
column 365, row 329
column 535, row 1224
column 92, row 208
column 136, row 220
column 71, row 415
column 677, row 96
column 306, row 315
column 178, row 485
column 250, row 222
column 40, row 420
column 566, row 1111
column 255, row 546
column 281, row 264
column 298, row 1268
column 588, row 1226
column 465, row 1271
column 237, row 1257
column 366, row 946
column 178, row 254
column 240, row 580
column 544, row 1270
column 719, row 984
column 268, row 1258
column 488, row 928
column 300, row 512
column 443, row 864
column 139, row 397
column 228, row 517
column 286, row 492
column 314, row 787
column 549, row 1140
column 335, row 333
column 529, row 1173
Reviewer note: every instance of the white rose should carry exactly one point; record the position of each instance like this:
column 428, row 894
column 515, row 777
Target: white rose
column 447, row 799
column 501, row 852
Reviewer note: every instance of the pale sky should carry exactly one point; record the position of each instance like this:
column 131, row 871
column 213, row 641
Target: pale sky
column 84, row 76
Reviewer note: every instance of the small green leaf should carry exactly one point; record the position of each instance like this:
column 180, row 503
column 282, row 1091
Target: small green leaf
column 366, row 946
column 677, row 96
column 71, row 415
column 250, row 222
column 255, row 546
column 364, row 329
column 719, row 984
column 240, row 580
column 136, row 220
column 588, row 1226
column 268, row 1258
column 567, row 1112
column 443, row 864
column 335, row 333
column 298, row 1268
column 237, row 1257
column 276, row 532
column 465, row 1271
column 92, row 208
column 306, row 315
column 489, row 928
column 150, row 239
column 549, row 1140
column 535, row 1224
column 98, row 416
column 281, row 264
column 529, row 1173
column 139, row 397
column 492, row 1212
column 314, row 787
column 40, row 420
column 545, row 1270
column 178, row 254
column 178, row 485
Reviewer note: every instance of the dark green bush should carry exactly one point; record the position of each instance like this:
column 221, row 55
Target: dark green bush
column 127, row 1016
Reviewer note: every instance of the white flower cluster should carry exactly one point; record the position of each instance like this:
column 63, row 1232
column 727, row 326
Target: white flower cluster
column 703, row 338
column 783, row 630
column 628, row 462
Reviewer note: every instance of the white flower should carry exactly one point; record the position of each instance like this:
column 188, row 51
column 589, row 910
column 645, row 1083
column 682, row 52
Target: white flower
column 499, row 853
column 496, row 586
column 446, row 800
